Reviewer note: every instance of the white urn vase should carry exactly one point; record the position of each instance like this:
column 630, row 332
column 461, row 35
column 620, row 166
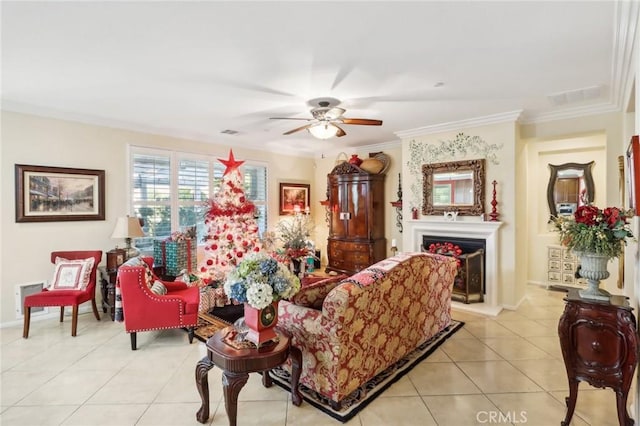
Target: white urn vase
column 593, row 267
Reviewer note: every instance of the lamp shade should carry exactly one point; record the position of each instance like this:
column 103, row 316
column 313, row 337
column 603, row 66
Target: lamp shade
column 127, row 227
column 323, row 130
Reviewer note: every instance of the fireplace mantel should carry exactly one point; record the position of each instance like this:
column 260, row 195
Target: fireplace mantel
column 488, row 231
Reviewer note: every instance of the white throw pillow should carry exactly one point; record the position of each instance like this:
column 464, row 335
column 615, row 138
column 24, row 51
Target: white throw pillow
column 71, row 274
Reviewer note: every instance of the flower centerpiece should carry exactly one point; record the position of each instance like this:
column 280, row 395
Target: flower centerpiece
column 260, row 281
column 294, row 233
column 592, row 230
column 596, row 236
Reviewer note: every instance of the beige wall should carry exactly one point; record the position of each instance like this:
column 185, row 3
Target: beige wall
column 600, row 138
column 522, row 201
column 511, row 289
column 26, row 139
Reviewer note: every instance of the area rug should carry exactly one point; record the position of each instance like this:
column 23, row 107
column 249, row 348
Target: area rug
column 216, row 319
column 365, row 394
column 208, row 325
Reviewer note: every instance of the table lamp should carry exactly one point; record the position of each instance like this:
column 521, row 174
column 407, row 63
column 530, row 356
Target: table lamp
column 128, row 227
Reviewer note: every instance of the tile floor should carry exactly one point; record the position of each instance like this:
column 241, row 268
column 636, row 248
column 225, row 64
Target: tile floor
column 510, row 364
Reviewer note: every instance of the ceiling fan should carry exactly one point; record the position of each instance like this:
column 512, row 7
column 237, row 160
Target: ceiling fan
column 326, row 117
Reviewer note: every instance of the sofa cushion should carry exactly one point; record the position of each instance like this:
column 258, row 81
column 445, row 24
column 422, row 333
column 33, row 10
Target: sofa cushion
column 191, row 298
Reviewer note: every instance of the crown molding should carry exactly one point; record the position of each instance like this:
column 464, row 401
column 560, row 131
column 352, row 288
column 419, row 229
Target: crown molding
column 504, row 117
column 565, row 114
column 623, row 64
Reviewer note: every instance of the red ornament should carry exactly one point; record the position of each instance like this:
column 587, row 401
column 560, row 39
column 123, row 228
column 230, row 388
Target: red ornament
column 229, row 237
column 231, row 163
column 214, row 247
column 209, row 262
column 239, row 254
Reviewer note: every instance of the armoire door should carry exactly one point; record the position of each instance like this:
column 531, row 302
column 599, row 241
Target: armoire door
column 357, row 208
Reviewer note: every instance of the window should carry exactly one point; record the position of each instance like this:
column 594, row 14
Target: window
column 170, row 190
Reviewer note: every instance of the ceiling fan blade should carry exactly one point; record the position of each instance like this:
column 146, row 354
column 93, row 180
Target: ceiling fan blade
column 361, row 121
column 340, row 132
column 290, row 118
column 306, row 126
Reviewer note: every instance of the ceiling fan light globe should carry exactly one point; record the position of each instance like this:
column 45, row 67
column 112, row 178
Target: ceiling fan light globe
column 323, row 130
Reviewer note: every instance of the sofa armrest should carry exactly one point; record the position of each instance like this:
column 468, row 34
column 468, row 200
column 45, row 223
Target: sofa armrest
column 307, row 325
column 315, row 289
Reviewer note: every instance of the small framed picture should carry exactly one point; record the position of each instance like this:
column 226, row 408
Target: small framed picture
column 294, row 198
column 52, row 194
column 633, row 174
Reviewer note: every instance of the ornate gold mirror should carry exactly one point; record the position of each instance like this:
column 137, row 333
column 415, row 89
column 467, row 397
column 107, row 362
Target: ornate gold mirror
column 570, row 186
column 453, row 186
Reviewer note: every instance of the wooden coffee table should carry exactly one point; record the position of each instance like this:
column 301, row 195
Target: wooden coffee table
column 237, row 363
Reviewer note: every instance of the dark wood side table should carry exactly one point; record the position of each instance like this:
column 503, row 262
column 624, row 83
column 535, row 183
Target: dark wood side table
column 236, row 364
column 115, row 259
column 599, row 342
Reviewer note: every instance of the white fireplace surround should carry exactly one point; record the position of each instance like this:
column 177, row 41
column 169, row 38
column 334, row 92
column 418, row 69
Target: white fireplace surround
column 487, row 231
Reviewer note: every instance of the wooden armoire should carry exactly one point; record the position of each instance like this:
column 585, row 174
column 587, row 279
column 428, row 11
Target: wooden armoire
column 356, row 225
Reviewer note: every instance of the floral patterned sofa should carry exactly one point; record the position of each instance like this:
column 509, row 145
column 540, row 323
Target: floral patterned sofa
column 369, row 321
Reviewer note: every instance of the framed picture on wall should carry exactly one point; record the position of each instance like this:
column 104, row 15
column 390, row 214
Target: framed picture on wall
column 294, row 198
column 633, row 174
column 52, row 194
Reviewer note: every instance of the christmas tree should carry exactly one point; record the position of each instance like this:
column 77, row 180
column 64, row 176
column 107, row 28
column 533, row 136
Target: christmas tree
column 233, row 230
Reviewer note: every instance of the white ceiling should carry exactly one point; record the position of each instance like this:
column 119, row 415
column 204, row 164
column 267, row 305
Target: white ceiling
column 195, row 69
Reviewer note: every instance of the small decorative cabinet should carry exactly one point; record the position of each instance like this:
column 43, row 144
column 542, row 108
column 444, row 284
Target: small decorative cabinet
column 561, row 267
column 599, row 342
column 356, row 219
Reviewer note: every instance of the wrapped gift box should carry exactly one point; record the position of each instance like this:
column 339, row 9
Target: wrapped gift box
column 175, row 256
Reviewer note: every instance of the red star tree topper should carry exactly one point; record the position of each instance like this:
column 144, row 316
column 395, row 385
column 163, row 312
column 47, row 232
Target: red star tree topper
column 233, row 230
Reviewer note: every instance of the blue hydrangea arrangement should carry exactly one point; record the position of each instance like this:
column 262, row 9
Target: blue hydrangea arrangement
column 260, row 280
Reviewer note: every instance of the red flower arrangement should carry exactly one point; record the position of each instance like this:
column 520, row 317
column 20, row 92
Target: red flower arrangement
column 447, row 249
column 592, row 230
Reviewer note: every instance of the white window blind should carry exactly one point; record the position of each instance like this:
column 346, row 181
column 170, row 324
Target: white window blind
column 193, row 192
column 170, row 190
column 151, row 196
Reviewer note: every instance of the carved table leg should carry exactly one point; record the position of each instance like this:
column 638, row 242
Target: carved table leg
column 231, row 385
column 571, row 401
column 296, row 365
column 621, row 402
column 202, row 382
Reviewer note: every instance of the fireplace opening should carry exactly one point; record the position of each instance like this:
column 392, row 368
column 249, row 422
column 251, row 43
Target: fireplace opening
column 472, row 278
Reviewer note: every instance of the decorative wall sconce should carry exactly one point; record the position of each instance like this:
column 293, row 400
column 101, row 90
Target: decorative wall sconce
column 327, row 208
column 398, row 205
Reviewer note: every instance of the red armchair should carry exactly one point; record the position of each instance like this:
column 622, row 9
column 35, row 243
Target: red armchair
column 144, row 310
column 64, row 298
